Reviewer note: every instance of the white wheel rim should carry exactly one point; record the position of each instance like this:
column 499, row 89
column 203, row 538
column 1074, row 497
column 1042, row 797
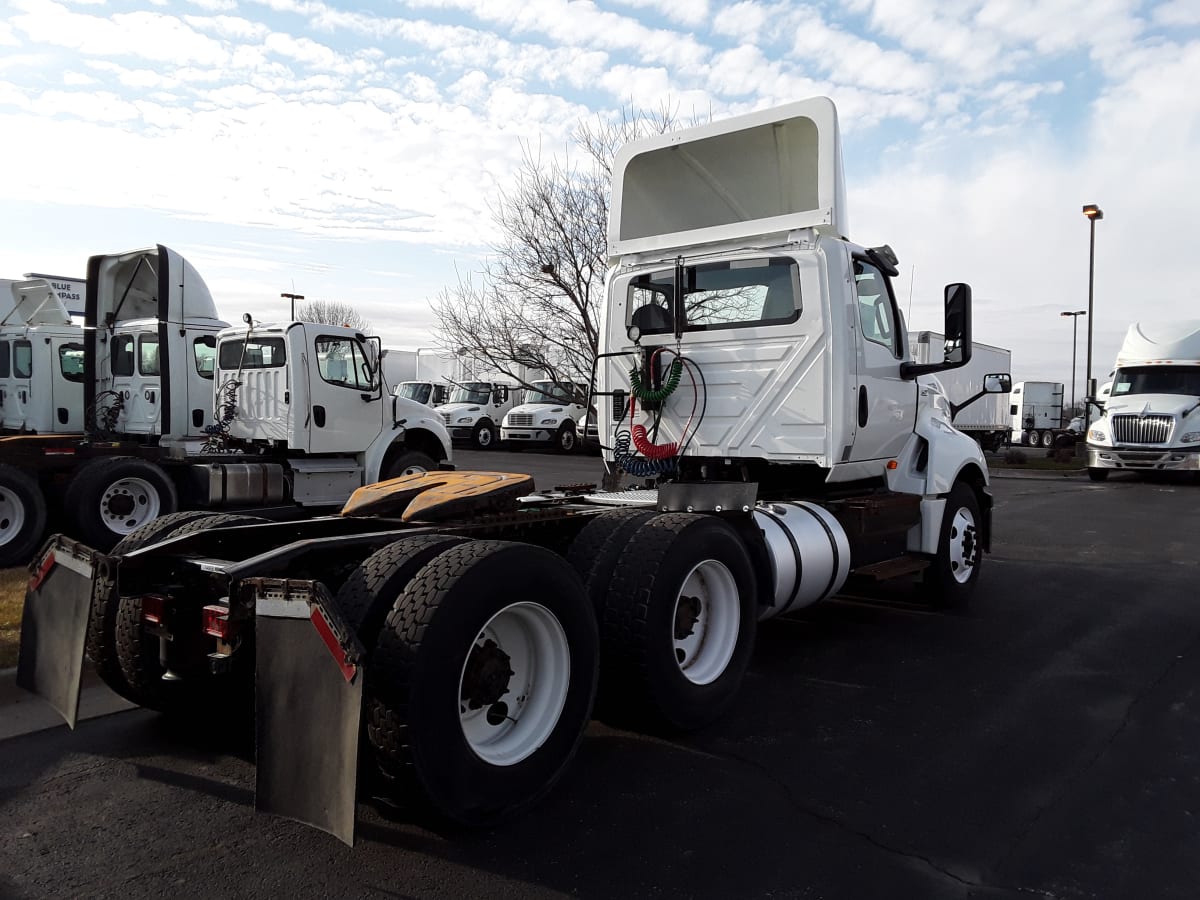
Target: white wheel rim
column 485, row 437
column 706, row 622
column 964, row 545
column 12, row 515
column 411, row 470
column 128, row 504
column 515, row 717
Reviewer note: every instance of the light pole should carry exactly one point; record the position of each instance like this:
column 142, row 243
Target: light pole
column 1093, row 212
column 293, row 298
column 1074, row 342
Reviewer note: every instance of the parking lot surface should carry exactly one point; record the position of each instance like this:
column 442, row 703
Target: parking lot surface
column 1043, row 742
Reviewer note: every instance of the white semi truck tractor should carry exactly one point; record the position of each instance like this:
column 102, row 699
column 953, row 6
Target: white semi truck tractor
column 1151, row 417
column 463, row 627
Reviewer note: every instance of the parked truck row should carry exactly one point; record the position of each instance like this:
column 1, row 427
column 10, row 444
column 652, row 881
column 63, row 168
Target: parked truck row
column 463, row 627
column 156, row 405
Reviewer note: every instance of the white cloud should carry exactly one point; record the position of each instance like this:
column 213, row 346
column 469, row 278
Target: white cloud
column 1179, row 13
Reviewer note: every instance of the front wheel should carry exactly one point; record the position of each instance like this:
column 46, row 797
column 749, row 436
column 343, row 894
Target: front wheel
column 951, row 577
column 566, row 441
column 1097, row 474
column 482, row 680
column 484, row 435
column 408, row 462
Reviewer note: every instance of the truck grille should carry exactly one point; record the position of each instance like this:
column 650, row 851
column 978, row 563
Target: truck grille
column 521, row 420
column 1128, row 429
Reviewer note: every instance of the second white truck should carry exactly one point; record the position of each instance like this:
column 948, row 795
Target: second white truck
column 1151, row 419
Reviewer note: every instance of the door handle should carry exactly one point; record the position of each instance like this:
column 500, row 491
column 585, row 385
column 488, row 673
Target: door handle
column 862, row 406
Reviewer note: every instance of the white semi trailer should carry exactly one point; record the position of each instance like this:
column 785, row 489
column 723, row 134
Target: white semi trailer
column 1151, row 418
column 753, row 372
column 987, row 420
column 1036, row 411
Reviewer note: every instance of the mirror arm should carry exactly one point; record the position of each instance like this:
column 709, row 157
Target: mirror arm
column 956, row 408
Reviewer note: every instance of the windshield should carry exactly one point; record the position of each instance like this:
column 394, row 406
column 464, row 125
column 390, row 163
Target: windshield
column 549, row 392
column 472, row 392
column 1157, row 380
column 414, row 390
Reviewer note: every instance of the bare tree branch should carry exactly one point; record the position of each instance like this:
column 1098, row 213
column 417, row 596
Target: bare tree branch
column 535, row 302
column 333, row 312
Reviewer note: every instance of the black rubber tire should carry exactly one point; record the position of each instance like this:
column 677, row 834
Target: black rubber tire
column 941, row 587
column 408, row 463
column 566, row 440
column 643, row 685
column 137, row 653
column 1098, row 474
column 597, row 547
column 1035, row 439
column 485, row 436
column 101, row 644
column 372, row 589
column 413, row 682
column 28, row 494
column 1047, row 439
column 82, row 496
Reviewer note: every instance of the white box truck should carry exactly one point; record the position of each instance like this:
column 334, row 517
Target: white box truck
column 1036, row 412
column 1151, row 419
column 986, row 420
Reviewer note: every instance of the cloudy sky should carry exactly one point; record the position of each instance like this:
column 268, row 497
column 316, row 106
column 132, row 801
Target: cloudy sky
column 349, row 150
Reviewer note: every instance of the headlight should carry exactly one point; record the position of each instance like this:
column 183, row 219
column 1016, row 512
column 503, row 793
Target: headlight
column 1191, row 437
column 1096, row 435
column 465, row 420
column 549, row 421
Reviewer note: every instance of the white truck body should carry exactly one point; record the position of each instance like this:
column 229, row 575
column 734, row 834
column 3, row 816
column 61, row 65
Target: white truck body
column 474, row 410
column 1151, row 418
column 41, row 361
column 987, row 419
column 547, row 415
column 1035, row 407
column 796, row 329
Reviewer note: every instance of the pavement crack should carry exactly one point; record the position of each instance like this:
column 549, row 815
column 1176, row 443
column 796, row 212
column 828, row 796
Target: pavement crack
column 1083, row 770
column 833, row 821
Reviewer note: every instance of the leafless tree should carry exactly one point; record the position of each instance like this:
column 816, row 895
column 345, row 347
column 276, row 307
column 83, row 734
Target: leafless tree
column 535, row 302
column 333, row 312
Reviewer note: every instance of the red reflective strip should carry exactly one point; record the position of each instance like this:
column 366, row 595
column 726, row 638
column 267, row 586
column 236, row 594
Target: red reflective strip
column 339, row 656
column 35, row 581
column 216, row 621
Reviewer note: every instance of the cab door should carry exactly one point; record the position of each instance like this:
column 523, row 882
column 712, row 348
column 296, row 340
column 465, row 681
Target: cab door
column 67, row 362
column 20, row 384
column 136, row 381
column 884, row 403
column 345, row 406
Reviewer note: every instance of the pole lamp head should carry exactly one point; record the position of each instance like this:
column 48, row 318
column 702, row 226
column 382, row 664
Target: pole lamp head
column 1093, row 212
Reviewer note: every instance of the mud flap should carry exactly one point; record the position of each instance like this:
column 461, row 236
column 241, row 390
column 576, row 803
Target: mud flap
column 308, row 696
column 54, row 625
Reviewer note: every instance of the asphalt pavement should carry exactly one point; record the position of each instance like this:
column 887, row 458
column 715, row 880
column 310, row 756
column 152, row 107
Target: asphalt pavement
column 1042, row 742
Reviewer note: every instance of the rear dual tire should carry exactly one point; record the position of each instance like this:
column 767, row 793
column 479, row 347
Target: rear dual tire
column 482, row 679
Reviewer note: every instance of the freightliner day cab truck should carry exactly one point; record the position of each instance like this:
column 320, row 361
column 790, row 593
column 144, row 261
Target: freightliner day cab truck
column 464, row 625
column 475, row 409
column 184, row 412
column 548, row 415
column 1151, row 418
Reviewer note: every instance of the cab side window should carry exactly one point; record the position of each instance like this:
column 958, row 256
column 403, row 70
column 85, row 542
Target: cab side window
column 22, row 360
column 876, row 310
